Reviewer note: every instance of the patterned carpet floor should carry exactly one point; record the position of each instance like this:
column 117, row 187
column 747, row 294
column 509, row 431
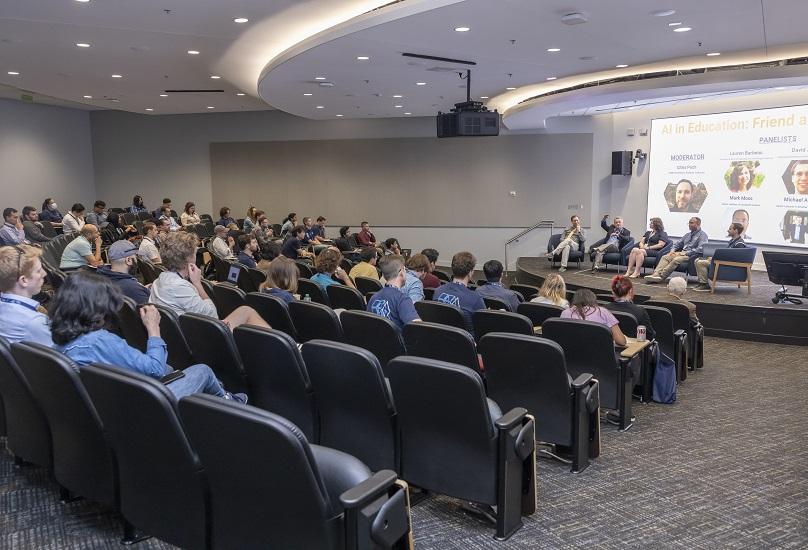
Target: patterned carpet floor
column 724, row 467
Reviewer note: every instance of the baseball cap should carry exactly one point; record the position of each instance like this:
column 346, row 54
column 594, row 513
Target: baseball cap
column 120, row 250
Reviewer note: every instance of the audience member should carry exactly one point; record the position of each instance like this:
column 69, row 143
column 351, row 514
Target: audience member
column 220, row 244
column 342, row 241
column 623, row 293
column 417, row 266
column 429, row 279
column 677, row 287
column 391, row 301
column 98, row 217
column 13, row 231
column 148, row 247
column 365, row 237
column 327, row 265
column 73, row 220
column 225, row 219
column 247, row 247
column 649, row 245
column 21, row 278
column 120, row 229
column 163, row 229
column 250, row 220
column 391, row 247
column 86, row 308
column 293, row 246
column 585, row 306
column 165, row 216
column 320, row 225
column 493, row 287
column 189, row 216
column 703, row 264
column 32, row 226
column 281, row 280
column 366, row 267
column 617, row 237
column 137, row 205
column 689, row 246
column 159, row 212
column 264, row 234
column 288, row 223
column 50, row 212
column 79, row 251
column 180, row 288
column 572, row 239
column 456, row 293
column 553, row 291
column 122, row 257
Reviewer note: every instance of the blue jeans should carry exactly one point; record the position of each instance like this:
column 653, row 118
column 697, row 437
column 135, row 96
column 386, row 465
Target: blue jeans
column 197, row 379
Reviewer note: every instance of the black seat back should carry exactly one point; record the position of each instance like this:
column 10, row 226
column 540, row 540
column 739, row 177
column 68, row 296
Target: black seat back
column 345, row 297
column 444, row 314
column 527, row 291
column 441, row 275
column 679, row 312
column 27, row 431
column 277, row 380
column 355, row 409
column 131, row 325
column 250, row 279
column 273, row 310
column 377, row 334
column 662, row 321
column 227, row 298
column 212, row 342
column 445, row 423
column 221, row 266
column 155, row 460
column 305, row 270
column 538, row 313
column 314, row 291
column 367, row 284
column 83, row 462
column 441, row 342
column 628, row 323
column 486, row 320
column 495, row 303
column 179, row 354
column 313, row 320
column 530, row 372
column 588, row 348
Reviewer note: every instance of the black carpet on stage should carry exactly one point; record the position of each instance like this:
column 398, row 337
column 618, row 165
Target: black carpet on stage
column 726, row 466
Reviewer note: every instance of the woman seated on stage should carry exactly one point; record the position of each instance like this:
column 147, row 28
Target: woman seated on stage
column 623, row 292
column 553, row 292
column 585, row 307
column 650, row 244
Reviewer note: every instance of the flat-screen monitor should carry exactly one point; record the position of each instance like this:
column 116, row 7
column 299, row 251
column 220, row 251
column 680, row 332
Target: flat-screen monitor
column 749, row 167
column 786, row 268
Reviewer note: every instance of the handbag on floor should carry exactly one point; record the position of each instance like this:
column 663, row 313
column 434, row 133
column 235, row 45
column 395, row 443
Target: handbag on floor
column 664, row 380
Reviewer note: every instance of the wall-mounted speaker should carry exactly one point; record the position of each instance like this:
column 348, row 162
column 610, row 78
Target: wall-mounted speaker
column 621, row 163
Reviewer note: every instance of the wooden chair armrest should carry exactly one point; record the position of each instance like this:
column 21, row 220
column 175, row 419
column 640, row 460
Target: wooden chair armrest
column 717, row 263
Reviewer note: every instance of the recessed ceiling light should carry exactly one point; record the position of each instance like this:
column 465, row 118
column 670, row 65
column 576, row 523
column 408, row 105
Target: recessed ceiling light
column 82, row 44
column 780, row 88
column 398, row 106
column 307, row 94
column 83, row 1
column 163, row 95
column 319, row 78
column 675, row 24
column 621, row 66
column 87, row 97
column 663, row 13
column 211, row 107
column 193, row 52
column 215, row 77
column 682, row 29
column 13, row 73
column 407, row 113
column 713, row 54
column 552, row 77
column 483, row 97
column 510, row 88
column 240, row 20
column 338, row 115
column 420, row 83
column 553, row 50
column 321, row 107
column 462, row 29
column 117, row 76
column 362, row 57
column 397, row 95
column 239, row 93
column 149, row 109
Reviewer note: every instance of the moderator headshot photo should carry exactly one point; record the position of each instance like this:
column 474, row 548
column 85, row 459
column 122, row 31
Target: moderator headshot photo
column 742, row 176
column 795, row 177
column 685, row 196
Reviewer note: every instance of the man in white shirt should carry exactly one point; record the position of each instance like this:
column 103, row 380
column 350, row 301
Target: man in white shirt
column 73, row 220
column 219, row 244
column 148, row 248
column 21, row 278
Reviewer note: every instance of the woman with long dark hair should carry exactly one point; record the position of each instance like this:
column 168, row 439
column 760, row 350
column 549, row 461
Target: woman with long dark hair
column 650, row 244
column 86, row 308
column 189, row 215
column 585, row 307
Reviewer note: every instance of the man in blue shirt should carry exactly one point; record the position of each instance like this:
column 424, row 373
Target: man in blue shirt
column 293, row 247
column 493, row 288
column 21, row 278
column 248, row 245
column 12, row 231
column 457, row 293
column 689, row 246
column 390, row 302
column 122, row 257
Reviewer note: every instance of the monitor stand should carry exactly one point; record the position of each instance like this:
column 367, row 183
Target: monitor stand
column 782, row 296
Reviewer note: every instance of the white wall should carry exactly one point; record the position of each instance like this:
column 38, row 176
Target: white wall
column 45, row 151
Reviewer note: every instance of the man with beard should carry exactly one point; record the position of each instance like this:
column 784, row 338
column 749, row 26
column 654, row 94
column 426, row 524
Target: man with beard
column 123, row 265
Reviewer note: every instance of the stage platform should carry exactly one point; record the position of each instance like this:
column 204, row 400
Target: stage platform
column 730, row 312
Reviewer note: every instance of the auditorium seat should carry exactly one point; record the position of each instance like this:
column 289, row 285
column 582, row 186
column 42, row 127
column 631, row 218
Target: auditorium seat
column 495, row 303
column 486, row 321
column 273, row 310
column 221, row 266
column 672, row 343
column 28, row 436
column 367, row 285
column 530, row 372
column 355, row 409
column 441, row 342
column 179, row 354
column 277, row 379
column 574, row 256
column 149, row 270
column 163, row 491
column 695, row 333
column 304, row 269
column 345, row 297
column 212, row 344
column 528, row 292
column 443, row 276
column 307, row 287
column 313, row 320
column 444, row 314
column 456, row 442
column 377, row 334
column 270, row 488
column 589, row 348
column 131, row 325
column 628, row 323
column 429, row 293
column 619, row 258
column 227, row 298
column 83, row 462
column 538, row 313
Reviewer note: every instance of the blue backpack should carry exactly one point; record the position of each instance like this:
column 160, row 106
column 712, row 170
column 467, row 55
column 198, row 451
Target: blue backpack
column 664, row 380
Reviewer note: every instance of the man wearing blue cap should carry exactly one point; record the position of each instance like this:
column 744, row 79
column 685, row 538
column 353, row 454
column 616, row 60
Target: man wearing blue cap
column 121, row 271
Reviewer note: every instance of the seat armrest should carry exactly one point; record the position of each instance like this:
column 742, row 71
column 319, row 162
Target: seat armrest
column 582, row 380
column 368, row 490
column 511, row 419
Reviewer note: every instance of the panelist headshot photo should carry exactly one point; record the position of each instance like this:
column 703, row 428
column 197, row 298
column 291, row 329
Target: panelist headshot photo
column 741, row 216
column 685, row 196
column 796, row 177
column 742, row 177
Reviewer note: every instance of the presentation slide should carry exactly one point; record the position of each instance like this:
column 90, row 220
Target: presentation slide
column 749, row 167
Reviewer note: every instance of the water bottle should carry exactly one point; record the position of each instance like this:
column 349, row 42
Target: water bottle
column 641, row 333
column 307, row 298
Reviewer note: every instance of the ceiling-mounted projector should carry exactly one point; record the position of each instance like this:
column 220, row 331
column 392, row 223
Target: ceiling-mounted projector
column 468, row 118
